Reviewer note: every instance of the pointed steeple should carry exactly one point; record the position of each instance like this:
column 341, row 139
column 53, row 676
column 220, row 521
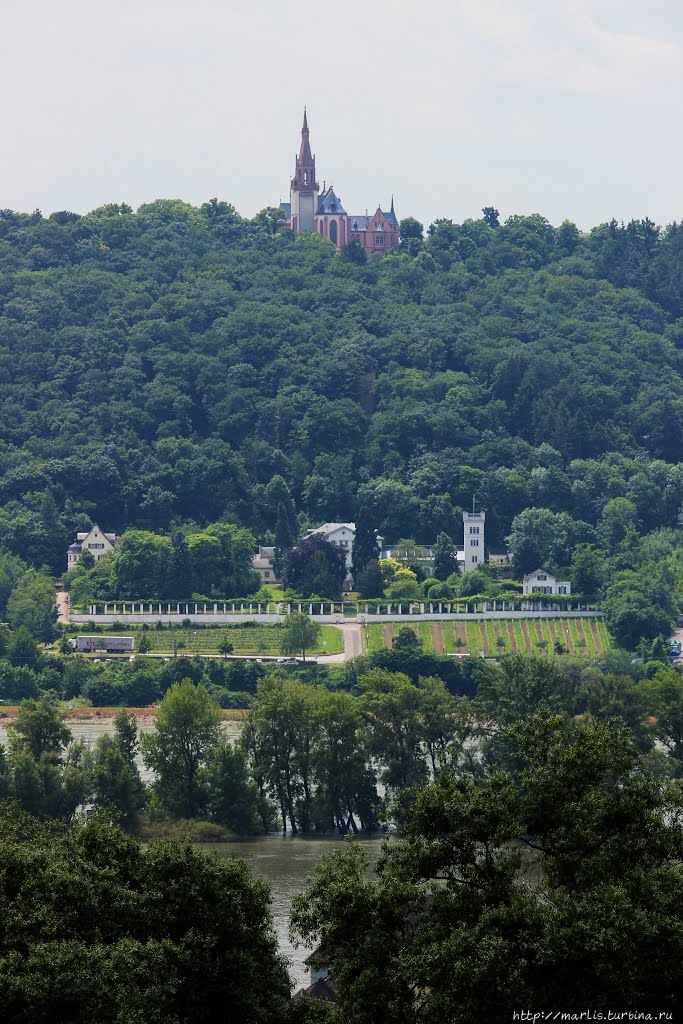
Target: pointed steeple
column 305, row 155
column 304, row 171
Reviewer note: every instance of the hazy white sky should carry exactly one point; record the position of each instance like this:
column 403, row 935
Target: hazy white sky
column 571, row 108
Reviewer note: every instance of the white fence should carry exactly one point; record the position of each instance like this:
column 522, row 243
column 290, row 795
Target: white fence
column 207, row 613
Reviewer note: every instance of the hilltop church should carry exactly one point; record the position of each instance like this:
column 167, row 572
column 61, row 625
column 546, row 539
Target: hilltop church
column 309, row 209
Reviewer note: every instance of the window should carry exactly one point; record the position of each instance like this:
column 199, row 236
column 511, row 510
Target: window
column 562, row 590
column 266, row 575
column 95, row 546
column 344, row 543
column 305, row 177
column 474, row 543
column 379, row 239
column 333, row 231
column 474, row 529
column 475, row 558
column 541, row 576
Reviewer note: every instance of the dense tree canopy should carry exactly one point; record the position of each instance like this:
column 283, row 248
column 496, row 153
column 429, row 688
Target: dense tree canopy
column 555, row 885
column 162, row 367
column 97, row 928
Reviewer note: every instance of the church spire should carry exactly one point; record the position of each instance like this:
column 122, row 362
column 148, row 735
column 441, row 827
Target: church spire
column 305, row 155
column 304, row 171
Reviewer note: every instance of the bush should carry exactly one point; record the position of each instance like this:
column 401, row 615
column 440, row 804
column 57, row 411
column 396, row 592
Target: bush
column 233, row 700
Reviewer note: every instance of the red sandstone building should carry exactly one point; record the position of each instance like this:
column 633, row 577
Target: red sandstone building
column 309, row 209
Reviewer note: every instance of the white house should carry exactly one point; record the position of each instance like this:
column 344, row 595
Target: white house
column 96, row 541
column 341, row 534
column 263, row 563
column 543, row 582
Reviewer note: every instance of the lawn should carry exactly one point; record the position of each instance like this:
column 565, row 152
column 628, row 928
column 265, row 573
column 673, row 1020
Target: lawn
column 262, row 639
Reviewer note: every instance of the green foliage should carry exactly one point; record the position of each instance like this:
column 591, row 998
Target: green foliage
column 186, row 732
column 299, row 634
column 315, row 567
column 38, row 729
column 445, row 560
column 232, row 369
column 365, row 546
column 369, row 582
column 579, row 845
column 98, row 928
column 31, row 605
column 232, row 798
column 637, row 608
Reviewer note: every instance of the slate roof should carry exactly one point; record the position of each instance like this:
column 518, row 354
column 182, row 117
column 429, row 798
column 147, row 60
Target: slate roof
column 391, row 216
column 111, row 537
column 327, row 200
column 328, row 528
column 359, row 222
column 323, row 988
column 286, row 209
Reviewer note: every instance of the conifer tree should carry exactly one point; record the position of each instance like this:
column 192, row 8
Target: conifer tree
column 285, row 537
column 365, row 547
column 180, row 581
column 445, row 557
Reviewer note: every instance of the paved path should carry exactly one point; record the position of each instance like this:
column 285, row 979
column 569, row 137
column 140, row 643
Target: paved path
column 353, row 644
column 62, row 599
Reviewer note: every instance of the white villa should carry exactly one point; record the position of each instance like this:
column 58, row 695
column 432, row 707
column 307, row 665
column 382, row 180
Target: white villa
column 341, row 534
column 263, row 563
column 543, row 582
column 95, row 541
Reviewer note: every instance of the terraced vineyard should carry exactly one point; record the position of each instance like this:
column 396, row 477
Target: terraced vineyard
column 261, row 639
column 497, row 637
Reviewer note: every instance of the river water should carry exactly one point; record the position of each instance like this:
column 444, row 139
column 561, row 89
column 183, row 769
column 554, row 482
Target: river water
column 284, row 862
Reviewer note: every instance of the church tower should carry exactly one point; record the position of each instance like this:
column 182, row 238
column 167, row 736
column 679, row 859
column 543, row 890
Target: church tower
column 304, row 188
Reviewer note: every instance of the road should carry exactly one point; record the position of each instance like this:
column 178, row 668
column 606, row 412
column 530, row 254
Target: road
column 353, row 644
column 63, row 611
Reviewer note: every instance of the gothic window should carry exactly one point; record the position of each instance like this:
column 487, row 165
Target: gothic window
column 379, row 239
column 305, row 177
column 333, row 231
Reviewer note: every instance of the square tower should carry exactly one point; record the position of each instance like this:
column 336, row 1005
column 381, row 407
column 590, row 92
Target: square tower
column 303, row 193
column 473, row 523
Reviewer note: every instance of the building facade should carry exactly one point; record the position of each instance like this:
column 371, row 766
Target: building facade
column 473, row 547
column 311, row 210
column 96, row 541
column 341, row 534
column 543, row 582
column 263, row 563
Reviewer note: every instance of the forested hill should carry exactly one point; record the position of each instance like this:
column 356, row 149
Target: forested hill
column 169, row 366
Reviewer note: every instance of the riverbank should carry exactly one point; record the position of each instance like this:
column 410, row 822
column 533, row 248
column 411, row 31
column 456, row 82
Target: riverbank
column 88, row 714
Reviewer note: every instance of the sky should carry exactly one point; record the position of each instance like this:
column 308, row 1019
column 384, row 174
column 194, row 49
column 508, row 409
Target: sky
column 568, row 108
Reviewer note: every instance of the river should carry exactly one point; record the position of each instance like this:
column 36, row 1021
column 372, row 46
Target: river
column 285, row 862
